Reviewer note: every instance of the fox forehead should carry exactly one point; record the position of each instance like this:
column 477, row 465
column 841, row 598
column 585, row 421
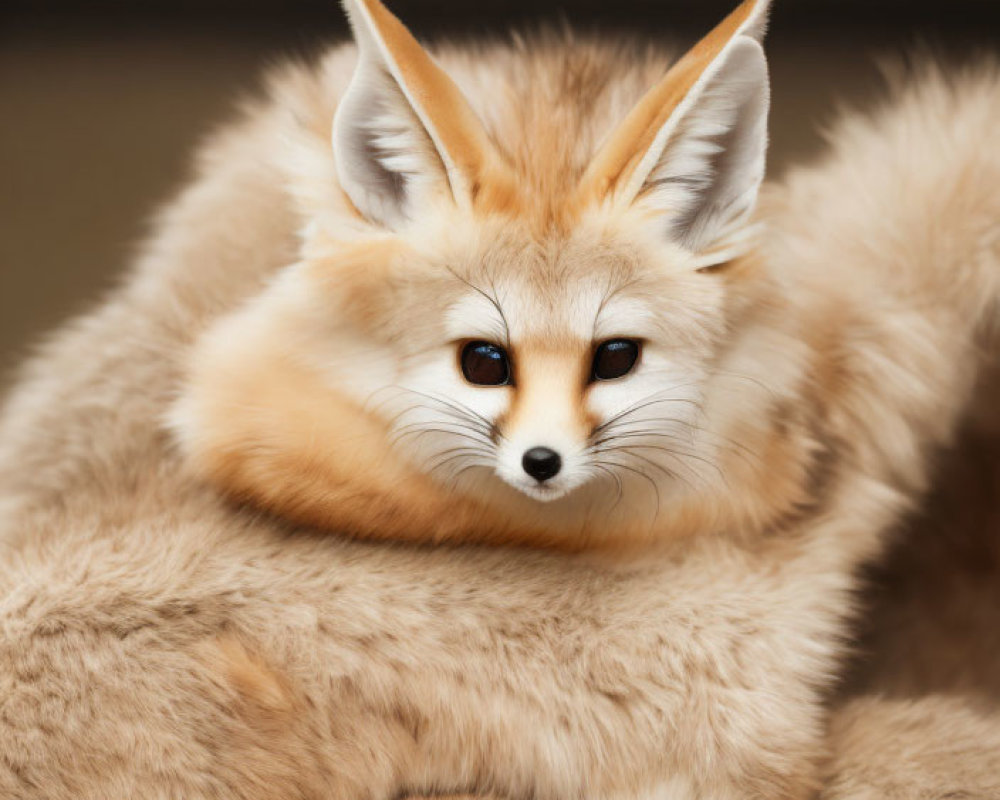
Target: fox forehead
column 546, row 318
column 580, row 313
column 508, row 284
column 463, row 278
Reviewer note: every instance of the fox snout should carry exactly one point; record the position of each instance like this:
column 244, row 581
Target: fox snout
column 544, row 435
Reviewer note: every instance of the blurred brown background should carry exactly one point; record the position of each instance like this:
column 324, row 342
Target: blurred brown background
column 101, row 103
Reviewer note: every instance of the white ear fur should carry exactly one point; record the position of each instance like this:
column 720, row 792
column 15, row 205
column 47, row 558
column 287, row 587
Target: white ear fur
column 704, row 169
column 384, row 147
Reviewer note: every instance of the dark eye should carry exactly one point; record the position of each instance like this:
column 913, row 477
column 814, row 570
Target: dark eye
column 485, row 364
column 614, row 358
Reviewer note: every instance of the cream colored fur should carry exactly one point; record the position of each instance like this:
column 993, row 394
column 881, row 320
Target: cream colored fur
column 161, row 641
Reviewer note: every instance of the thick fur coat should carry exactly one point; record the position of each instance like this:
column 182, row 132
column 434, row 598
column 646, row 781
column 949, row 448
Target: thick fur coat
column 160, row 640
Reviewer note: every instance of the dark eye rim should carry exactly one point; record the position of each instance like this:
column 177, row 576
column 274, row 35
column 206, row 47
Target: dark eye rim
column 594, row 378
column 463, row 347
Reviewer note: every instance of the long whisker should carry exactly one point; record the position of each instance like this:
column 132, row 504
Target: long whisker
column 737, row 448
column 462, row 470
column 641, row 474
column 457, row 407
column 715, row 371
column 453, row 409
column 463, row 449
column 451, row 418
column 748, row 456
column 653, row 399
column 423, row 406
column 679, row 455
column 464, row 454
column 418, row 430
column 618, row 482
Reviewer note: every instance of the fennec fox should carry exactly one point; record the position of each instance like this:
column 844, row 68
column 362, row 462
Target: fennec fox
column 528, row 297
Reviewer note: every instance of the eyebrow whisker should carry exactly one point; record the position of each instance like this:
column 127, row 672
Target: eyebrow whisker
column 493, row 300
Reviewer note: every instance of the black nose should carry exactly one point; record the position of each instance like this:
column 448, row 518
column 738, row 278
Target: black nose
column 541, row 463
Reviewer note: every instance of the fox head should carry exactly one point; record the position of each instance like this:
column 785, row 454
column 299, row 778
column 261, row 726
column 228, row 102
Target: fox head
column 510, row 328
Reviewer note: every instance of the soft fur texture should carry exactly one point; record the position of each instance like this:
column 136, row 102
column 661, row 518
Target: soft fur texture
column 160, row 641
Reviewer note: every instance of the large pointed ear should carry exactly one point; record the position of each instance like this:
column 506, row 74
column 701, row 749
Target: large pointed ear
column 403, row 130
column 693, row 150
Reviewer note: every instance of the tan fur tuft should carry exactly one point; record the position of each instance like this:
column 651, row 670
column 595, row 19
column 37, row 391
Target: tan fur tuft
column 254, row 680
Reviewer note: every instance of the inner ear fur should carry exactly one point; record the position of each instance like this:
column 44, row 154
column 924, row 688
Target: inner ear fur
column 693, row 149
column 403, row 129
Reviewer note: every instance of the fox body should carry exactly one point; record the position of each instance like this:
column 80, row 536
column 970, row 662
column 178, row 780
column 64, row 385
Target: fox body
column 528, row 297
